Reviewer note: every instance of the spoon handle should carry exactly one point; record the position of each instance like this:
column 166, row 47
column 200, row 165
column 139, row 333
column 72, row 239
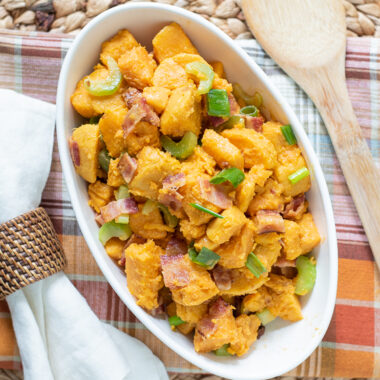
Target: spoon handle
column 361, row 174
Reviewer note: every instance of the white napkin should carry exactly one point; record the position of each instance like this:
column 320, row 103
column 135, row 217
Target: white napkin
column 58, row 335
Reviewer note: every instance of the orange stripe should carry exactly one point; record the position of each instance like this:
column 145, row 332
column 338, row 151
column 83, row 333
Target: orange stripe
column 8, row 345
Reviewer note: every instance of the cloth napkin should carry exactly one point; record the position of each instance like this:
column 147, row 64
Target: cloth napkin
column 58, row 335
column 30, row 64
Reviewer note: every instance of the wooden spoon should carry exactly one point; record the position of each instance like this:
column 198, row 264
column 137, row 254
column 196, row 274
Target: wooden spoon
column 307, row 38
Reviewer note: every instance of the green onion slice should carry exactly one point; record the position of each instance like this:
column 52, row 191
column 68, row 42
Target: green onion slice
column 205, row 258
column 113, row 229
column 230, row 123
column 94, row 119
column 104, row 159
column 122, row 192
column 175, row 321
column 217, row 103
column 249, row 111
column 287, row 131
column 233, row 175
column 265, row 316
column 222, row 351
column 122, row 219
column 307, row 273
column 204, row 209
column 106, row 86
column 298, row 175
column 148, row 207
column 181, row 149
column 170, row 220
column 204, row 73
column 255, row 265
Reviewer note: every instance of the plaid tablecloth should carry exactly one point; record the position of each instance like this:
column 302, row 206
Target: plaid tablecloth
column 30, row 63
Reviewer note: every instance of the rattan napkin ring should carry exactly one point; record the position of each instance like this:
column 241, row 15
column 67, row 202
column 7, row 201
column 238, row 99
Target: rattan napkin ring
column 29, row 251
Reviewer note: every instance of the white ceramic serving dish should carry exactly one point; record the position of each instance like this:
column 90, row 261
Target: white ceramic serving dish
column 284, row 345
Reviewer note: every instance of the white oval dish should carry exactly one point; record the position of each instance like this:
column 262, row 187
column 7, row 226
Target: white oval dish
column 284, row 345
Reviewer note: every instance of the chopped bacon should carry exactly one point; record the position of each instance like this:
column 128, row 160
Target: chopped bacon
column 269, row 221
column 234, row 106
column 222, row 277
column 139, row 110
column 254, row 122
column 260, row 331
column 170, row 197
column 215, row 121
column 99, row 219
column 214, row 194
column 127, row 167
column 175, row 271
column 295, row 208
column 74, row 151
column 206, row 326
column 114, row 209
column 282, row 262
column 176, row 246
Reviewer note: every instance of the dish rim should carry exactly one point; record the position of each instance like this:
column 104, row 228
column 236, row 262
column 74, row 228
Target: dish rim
column 300, row 132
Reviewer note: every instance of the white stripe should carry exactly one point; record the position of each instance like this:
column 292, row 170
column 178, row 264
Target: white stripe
column 358, row 303
column 18, row 64
column 351, row 347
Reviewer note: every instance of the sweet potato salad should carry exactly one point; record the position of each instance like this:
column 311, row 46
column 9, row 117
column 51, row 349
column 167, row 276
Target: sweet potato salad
column 200, row 199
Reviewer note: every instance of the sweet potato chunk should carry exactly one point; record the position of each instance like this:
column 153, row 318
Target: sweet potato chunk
column 182, row 113
column 114, row 248
column 114, row 179
column 216, row 328
column 142, row 266
column 220, row 148
column 190, row 231
column 221, row 230
column 184, row 328
column 292, row 240
column 145, row 134
column 268, row 249
column 86, row 138
column 100, row 194
column 272, row 131
column 153, row 166
column 171, row 40
column 255, row 147
column 257, row 301
column 199, row 162
column 169, row 74
column 112, row 131
column 137, row 67
column 289, row 161
column 157, row 97
column 234, row 253
column 149, row 226
column 190, row 283
column 310, row 237
column 118, row 45
column 191, row 314
column 247, row 327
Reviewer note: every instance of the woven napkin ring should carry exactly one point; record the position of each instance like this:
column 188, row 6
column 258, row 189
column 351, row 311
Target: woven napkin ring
column 29, row 251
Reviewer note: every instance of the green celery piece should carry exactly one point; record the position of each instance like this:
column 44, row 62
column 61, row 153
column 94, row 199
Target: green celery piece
column 122, row 219
column 243, row 98
column 265, row 316
column 222, row 351
column 307, row 274
column 104, row 159
column 182, row 149
column 204, row 73
column 149, row 206
column 122, row 192
column 170, row 220
column 106, row 86
column 113, row 229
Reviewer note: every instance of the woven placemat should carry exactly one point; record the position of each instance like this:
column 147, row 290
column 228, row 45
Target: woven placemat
column 29, row 251
column 69, row 16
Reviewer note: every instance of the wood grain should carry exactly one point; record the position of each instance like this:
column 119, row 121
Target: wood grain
column 307, row 39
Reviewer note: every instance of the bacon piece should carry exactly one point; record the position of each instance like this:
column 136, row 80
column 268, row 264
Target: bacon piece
column 99, row 219
column 282, row 262
column 127, row 167
column 176, row 246
column 217, row 310
column 222, row 277
column 169, row 196
column 215, row 121
column 175, row 271
column 74, row 151
column 114, row 209
column 254, row 122
column 269, row 221
column 260, row 331
column 139, row 110
column 234, row 106
column 295, row 208
column 214, row 194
